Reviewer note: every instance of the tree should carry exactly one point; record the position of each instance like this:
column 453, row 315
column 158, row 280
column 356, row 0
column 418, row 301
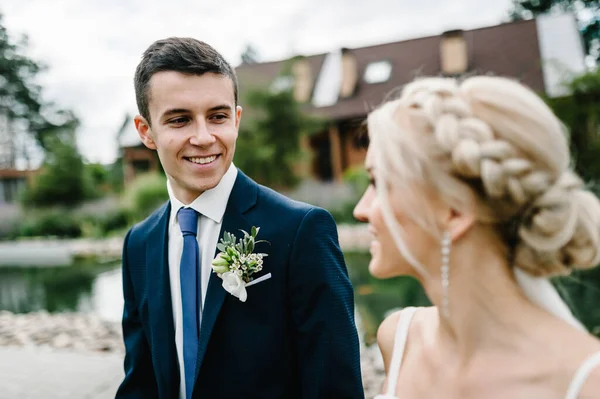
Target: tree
column 580, row 112
column 250, row 55
column 26, row 120
column 587, row 11
column 268, row 145
column 64, row 179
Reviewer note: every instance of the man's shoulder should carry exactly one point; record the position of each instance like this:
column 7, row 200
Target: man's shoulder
column 140, row 230
column 279, row 202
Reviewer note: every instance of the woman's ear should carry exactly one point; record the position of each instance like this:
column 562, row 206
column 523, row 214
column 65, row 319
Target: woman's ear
column 458, row 223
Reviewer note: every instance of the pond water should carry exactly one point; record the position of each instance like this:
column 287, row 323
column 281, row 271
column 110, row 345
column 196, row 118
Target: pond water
column 98, row 289
column 81, row 288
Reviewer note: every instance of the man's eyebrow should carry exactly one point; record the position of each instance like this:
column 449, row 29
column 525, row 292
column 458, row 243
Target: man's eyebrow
column 221, row 107
column 174, row 111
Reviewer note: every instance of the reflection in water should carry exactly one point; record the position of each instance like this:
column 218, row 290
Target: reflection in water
column 83, row 288
column 98, row 289
column 107, row 295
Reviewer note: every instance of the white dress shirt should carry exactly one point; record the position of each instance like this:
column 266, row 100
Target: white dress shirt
column 210, row 206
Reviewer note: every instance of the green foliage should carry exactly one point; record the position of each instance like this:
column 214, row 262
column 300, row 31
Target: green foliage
column 96, row 219
column 145, row 194
column 358, row 180
column 268, row 145
column 590, row 26
column 581, row 114
column 581, row 291
column 64, row 180
column 102, row 224
column 21, row 97
column 375, row 298
column 99, row 175
column 115, row 176
column 58, row 222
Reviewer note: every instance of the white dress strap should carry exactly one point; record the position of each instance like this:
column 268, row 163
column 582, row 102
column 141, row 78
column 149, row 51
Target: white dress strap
column 399, row 345
column 582, row 374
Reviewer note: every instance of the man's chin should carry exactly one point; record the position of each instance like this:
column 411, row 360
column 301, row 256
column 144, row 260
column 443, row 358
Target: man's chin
column 208, row 183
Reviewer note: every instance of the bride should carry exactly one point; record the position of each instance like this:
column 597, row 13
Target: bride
column 472, row 194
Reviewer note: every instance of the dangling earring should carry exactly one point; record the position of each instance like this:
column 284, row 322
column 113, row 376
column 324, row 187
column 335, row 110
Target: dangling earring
column 446, row 245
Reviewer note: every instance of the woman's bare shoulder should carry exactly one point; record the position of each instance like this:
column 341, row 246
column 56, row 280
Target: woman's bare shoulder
column 386, row 334
column 591, row 386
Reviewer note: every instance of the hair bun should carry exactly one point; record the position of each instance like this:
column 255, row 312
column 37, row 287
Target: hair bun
column 560, row 231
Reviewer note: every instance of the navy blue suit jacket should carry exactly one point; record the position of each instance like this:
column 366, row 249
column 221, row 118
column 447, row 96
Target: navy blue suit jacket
column 294, row 337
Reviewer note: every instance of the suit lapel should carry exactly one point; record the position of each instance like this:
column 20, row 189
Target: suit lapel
column 242, row 198
column 159, row 301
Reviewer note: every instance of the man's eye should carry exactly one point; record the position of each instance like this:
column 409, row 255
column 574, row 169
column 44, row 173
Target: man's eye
column 219, row 117
column 178, row 121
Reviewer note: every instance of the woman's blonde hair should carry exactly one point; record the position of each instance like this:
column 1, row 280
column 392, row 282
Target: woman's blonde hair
column 490, row 144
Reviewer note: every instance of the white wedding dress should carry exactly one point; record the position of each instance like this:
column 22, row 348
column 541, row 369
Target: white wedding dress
column 398, row 353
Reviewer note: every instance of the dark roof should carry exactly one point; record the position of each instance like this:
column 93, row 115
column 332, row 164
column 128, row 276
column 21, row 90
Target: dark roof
column 509, row 49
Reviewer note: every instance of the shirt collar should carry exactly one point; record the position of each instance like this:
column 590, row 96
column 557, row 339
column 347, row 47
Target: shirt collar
column 211, row 203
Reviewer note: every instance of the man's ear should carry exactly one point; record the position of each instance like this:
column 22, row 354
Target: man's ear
column 145, row 131
column 238, row 116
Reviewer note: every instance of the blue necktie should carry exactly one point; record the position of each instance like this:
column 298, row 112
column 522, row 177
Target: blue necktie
column 189, row 276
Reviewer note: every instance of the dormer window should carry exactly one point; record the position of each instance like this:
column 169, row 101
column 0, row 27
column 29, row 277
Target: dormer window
column 453, row 53
column 378, row 72
column 282, row 83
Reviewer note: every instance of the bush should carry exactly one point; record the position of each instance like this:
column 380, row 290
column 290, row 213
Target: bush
column 146, row 193
column 580, row 112
column 64, row 180
column 58, row 222
column 343, row 214
column 102, row 224
column 358, row 180
column 10, row 217
column 102, row 217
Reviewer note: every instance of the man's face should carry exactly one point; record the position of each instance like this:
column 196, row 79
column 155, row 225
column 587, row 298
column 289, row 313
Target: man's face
column 194, row 126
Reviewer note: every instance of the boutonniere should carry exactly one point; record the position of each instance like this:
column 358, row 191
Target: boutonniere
column 236, row 263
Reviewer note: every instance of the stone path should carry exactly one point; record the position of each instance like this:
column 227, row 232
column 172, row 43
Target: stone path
column 36, row 373
column 28, row 373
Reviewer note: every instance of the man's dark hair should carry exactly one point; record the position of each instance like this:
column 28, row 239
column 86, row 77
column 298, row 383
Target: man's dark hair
column 185, row 55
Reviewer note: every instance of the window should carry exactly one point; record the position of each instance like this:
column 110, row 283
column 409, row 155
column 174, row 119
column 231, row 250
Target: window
column 453, row 53
column 378, row 72
column 282, row 83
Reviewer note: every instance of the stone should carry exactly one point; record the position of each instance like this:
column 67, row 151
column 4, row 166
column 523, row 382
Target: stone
column 62, row 341
column 89, row 334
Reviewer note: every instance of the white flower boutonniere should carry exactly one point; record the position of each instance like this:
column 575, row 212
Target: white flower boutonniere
column 236, row 262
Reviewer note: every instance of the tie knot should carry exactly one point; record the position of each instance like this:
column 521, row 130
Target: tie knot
column 188, row 221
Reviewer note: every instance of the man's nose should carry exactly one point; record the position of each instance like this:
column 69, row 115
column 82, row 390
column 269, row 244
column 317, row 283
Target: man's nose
column 202, row 135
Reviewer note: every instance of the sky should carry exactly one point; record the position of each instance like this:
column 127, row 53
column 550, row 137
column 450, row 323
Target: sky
column 92, row 47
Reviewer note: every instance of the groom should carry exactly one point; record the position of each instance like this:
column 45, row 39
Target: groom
column 186, row 337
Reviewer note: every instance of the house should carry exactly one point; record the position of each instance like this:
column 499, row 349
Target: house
column 136, row 157
column 345, row 84
column 12, row 183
